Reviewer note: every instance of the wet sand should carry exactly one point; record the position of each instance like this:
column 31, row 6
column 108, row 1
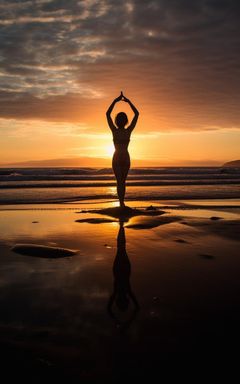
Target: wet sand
column 61, row 316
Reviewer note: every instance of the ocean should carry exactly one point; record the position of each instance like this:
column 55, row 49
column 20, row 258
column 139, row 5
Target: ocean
column 60, row 185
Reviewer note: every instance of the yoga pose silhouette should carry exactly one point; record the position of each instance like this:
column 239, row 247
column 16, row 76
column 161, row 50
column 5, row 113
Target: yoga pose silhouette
column 121, row 138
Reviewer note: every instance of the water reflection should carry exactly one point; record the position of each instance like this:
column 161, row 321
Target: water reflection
column 123, row 305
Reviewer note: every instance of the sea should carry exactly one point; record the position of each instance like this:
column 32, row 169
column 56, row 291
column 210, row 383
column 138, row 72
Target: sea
column 66, row 185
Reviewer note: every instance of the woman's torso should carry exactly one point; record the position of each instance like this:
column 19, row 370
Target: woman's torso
column 121, row 138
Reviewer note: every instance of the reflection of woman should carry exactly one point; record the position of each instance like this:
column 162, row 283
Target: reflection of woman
column 121, row 138
column 122, row 292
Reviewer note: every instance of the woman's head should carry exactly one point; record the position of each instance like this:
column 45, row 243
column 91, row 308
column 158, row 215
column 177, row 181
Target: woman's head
column 121, row 120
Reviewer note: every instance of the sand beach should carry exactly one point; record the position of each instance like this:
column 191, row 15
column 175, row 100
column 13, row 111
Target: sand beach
column 65, row 267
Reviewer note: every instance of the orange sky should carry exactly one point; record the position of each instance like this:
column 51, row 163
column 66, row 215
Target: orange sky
column 61, row 66
column 40, row 140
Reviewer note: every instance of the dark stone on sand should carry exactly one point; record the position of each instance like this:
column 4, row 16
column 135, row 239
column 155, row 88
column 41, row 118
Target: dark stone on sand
column 95, row 220
column 151, row 208
column 107, row 246
column 34, row 222
column 215, row 218
column 181, row 241
column 206, row 256
column 42, row 251
column 153, row 222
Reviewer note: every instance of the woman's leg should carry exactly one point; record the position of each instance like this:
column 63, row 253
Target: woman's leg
column 121, row 191
column 121, row 169
column 121, row 175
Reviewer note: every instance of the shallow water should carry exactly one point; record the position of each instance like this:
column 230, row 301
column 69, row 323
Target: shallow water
column 185, row 279
column 55, row 185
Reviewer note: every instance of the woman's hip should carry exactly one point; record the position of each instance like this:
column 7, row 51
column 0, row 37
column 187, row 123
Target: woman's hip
column 121, row 158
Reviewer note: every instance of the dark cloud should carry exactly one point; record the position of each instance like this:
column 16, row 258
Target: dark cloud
column 171, row 55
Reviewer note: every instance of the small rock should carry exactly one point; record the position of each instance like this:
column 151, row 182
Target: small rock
column 206, row 256
column 35, row 222
column 151, row 208
column 45, row 361
column 181, row 241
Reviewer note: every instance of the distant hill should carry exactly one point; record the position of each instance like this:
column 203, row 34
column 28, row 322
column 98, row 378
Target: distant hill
column 73, row 162
column 235, row 163
column 93, row 162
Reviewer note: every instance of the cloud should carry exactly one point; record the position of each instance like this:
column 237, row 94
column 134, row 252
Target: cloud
column 16, row 128
column 178, row 59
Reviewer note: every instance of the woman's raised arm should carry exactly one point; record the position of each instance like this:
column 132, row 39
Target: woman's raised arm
column 109, row 111
column 136, row 114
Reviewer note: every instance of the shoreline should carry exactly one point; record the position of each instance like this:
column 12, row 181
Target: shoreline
column 103, row 200
column 173, row 203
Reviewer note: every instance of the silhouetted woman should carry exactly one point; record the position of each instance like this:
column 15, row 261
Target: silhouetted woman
column 121, row 138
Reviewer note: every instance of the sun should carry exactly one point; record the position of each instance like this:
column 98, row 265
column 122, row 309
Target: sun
column 109, row 150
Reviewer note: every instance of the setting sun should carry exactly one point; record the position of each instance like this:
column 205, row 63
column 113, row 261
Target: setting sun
column 109, row 149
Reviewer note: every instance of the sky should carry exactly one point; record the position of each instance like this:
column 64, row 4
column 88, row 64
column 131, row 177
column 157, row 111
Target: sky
column 62, row 62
